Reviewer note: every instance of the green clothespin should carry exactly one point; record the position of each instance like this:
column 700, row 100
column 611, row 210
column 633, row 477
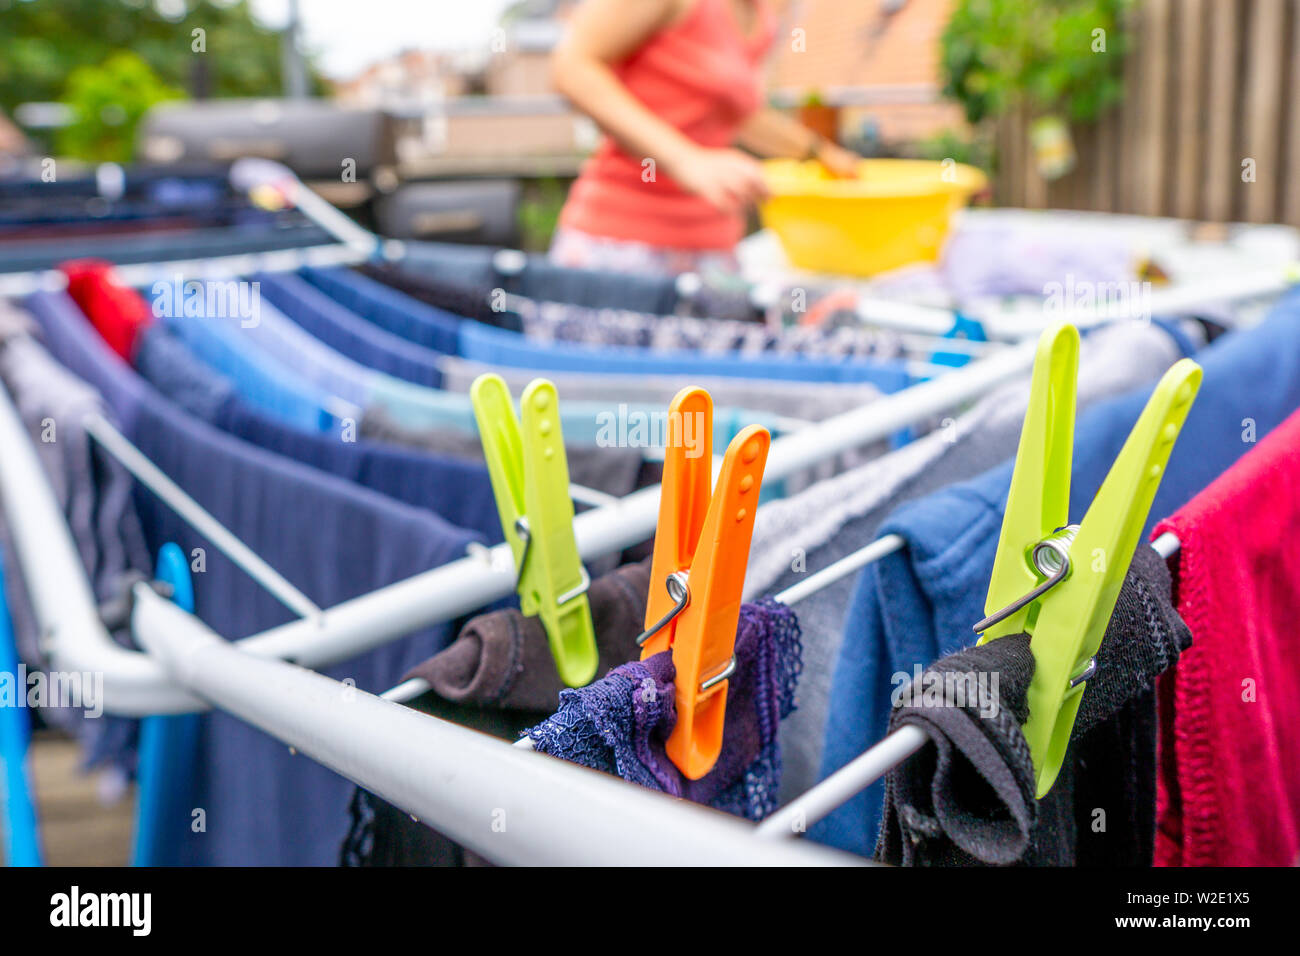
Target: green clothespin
column 530, row 480
column 1059, row 582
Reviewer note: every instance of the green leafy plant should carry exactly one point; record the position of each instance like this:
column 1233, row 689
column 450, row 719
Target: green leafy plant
column 1047, row 54
column 973, row 150
column 107, row 103
column 539, row 213
column 43, row 41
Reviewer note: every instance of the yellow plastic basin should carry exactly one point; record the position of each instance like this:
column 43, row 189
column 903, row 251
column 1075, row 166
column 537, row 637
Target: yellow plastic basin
column 896, row 212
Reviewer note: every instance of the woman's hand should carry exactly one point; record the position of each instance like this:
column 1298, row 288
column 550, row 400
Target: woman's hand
column 842, row 163
column 727, row 179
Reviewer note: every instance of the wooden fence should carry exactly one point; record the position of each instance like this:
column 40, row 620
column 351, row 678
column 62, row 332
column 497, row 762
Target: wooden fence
column 1209, row 127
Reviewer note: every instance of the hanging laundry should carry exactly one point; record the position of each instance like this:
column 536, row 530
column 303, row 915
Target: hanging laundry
column 117, row 312
column 493, row 346
column 500, row 662
column 967, row 798
column 557, row 322
column 916, row 605
column 1230, row 760
column 347, row 333
column 615, row 471
column 503, row 660
column 620, row 723
column 450, row 261
column 279, row 343
column 801, row 534
column 386, row 309
column 20, row 842
column 452, row 486
column 262, row 804
column 778, row 406
column 188, row 244
column 735, row 398
column 95, row 494
column 462, row 299
column 987, row 258
column 262, row 380
column 536, row 277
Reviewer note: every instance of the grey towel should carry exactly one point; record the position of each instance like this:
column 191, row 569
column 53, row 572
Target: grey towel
column 502, row 659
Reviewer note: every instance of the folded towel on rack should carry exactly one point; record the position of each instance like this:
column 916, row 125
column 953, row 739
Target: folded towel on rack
column 503, row 660
column 620, row 723
column 967, row 798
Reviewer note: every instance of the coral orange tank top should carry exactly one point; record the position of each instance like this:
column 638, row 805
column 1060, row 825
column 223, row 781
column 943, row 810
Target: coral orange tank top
column 703, row 76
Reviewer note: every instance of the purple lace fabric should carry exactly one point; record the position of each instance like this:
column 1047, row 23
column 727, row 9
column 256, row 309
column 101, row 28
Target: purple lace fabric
column 620, row 723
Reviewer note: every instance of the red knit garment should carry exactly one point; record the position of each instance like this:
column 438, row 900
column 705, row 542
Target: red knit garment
column 116, row 311
column 1228, row 792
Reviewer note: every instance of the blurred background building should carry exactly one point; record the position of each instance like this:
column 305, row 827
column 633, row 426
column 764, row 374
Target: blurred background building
column 1158, row 107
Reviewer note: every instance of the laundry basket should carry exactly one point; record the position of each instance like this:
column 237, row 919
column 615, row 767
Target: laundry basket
column 896, row 212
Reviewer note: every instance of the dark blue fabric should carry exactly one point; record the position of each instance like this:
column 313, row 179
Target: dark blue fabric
column 20, row 256
column 918, row 604
column 450, row 260
column 545, row 281
column 493, row 346
column 389, row 309
column 455, row 489
column 540, row 279
column 481, row 343
column 348, row 333
column 333, row 540
column 260, row 380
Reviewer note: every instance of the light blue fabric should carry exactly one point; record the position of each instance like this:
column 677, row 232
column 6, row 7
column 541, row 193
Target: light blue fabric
column 350, row 334
column 281, row 368
column 263, row 381
column 18, row 827
column 482, row 343
column 582, row 422
column 919, row 603
column 967, row 330
column 389, row 309
column 168, row 750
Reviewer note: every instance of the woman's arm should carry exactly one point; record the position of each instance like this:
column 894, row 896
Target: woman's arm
column 772, row 133
column 603, row 32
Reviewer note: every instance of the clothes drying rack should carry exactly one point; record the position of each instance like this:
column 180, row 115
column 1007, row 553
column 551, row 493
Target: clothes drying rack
column 450, row 777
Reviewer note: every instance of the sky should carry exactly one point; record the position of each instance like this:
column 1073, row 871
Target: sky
column 349, row 35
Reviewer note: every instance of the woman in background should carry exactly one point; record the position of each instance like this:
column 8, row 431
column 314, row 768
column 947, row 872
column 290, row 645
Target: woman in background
column 675, row 85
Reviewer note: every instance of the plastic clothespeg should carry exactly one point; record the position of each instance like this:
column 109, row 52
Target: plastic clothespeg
column 698, row 570
column 530, row 481
column 1057, row 582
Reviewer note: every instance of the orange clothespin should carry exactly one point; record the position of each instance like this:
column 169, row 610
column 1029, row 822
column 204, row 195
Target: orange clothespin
column 701, row 552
